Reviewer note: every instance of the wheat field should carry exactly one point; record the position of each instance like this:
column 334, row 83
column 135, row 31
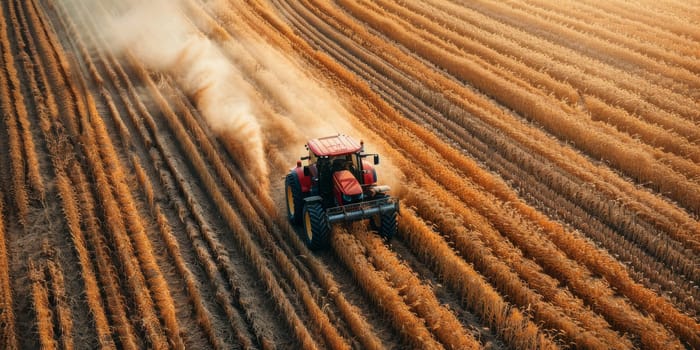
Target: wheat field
column 546, row 155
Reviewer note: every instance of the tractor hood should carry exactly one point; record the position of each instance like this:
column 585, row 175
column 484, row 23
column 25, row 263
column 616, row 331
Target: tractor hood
column 346, row 183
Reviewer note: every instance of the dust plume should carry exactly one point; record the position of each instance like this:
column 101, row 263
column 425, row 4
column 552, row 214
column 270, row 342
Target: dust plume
column 254, row 95
column 301, row 106
column 159, row 35
column 311, row 106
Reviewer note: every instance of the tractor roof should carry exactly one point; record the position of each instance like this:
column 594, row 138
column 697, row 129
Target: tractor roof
column 333, row 146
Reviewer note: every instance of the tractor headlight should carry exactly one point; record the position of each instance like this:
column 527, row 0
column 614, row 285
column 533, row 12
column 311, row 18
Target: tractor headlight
column 353, row 199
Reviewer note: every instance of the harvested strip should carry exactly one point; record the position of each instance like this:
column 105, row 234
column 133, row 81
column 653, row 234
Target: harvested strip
column 441, row 321
column 503, row 263
column 44, row 314
column 485, row 301
column 7, row 316
column 353, row 256
column 63, row 313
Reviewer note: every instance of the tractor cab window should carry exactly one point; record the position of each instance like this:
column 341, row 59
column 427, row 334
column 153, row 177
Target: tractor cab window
column 343, row 163
column 356, row 162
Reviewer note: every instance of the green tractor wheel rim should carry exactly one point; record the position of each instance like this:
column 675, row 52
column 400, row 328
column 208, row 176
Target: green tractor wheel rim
column 307, row 226
column 290, row 200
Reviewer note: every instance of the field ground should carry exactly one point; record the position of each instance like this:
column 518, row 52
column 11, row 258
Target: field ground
column 546, row 155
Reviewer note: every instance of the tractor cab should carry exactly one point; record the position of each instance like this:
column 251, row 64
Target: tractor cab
column 338, row 184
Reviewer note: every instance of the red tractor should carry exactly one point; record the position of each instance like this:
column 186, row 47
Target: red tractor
column 337, row 185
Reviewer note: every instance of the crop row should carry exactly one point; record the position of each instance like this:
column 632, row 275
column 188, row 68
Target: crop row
column 261, row 232
column 508, row 321
column 53, row 314
column 579, row 74
column 98, row 155
column 383, row 294
column 42, row 307
column 107, row 271
column 232, row 219
column 32, row 164
column 450, row 111
column 529, row 183
column 74, row 214
column 159, row 287
column 661, row 73
column 204, row 317
column 416, row 294
column 199, row 237
column 63, row 311
column 299, row 285
column 672, row 258
column 10, row 91
column 515, row 275
column 651, row 18
column 614, row 22
column 620, row 39
column 580, row 194
column 253, row 221
column 7, row 316
column 199, row 233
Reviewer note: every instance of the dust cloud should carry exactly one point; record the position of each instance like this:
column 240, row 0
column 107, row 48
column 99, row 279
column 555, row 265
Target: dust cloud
column 313, row 108
column 304, row 107
column 255, row 96
column 158, row 34
column 318, row 111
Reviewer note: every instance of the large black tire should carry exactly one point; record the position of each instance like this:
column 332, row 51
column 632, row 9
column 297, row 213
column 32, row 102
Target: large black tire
column 317, row 230
column 384, row 223
column 387, row 225
column 294, row 198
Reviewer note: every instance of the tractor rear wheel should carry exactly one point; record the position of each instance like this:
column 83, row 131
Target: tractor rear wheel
column 316, row 227
column 295, row 200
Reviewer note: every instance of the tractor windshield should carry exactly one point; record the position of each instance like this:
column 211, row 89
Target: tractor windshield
column 342, row 162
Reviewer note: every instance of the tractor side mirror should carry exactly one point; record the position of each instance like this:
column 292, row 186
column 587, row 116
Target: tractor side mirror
column 307, row 172
column 376, row 159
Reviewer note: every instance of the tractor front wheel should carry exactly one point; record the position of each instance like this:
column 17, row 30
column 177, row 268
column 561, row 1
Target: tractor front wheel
column 316, row 226
column 385, row 224
column 295, row 200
